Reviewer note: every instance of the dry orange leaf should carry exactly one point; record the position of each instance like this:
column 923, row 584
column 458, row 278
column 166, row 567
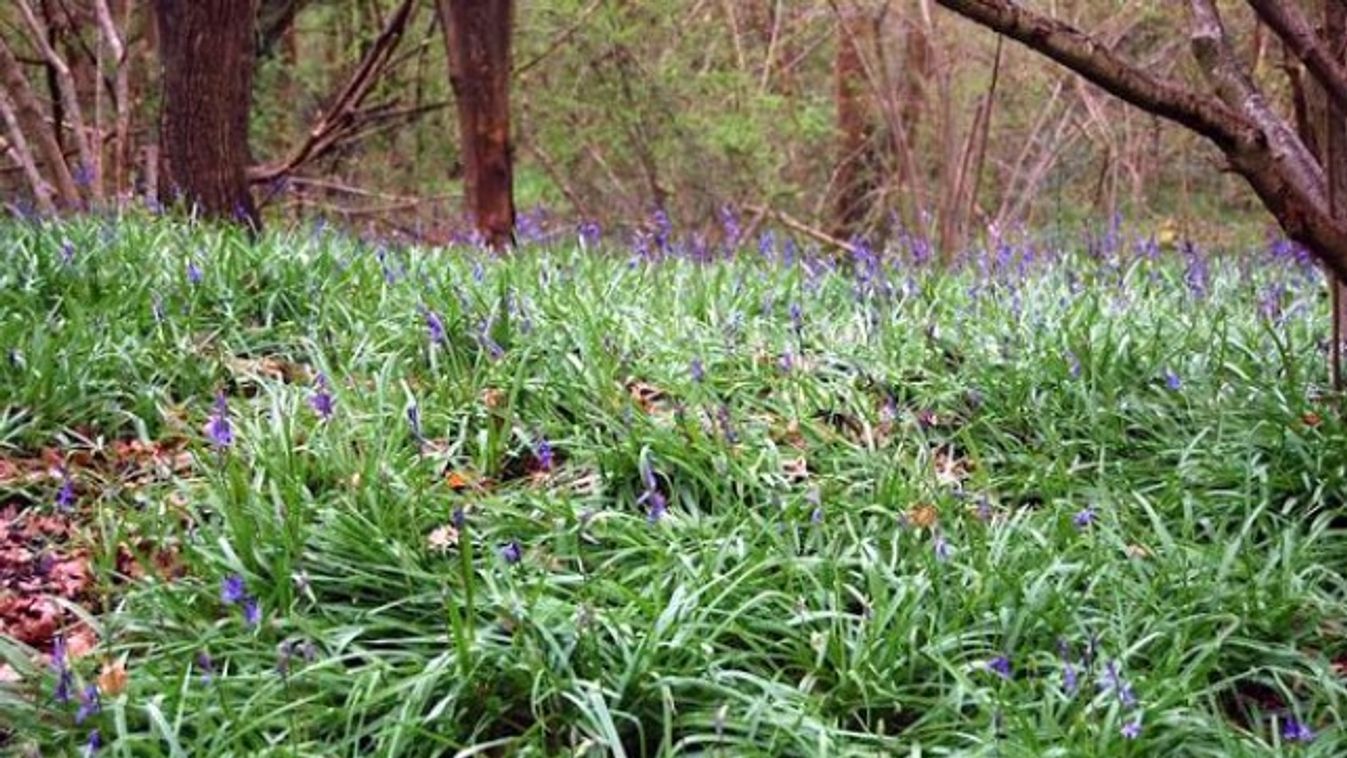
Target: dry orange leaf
column 1311, row 419
column 923, row 515
column 112, row 679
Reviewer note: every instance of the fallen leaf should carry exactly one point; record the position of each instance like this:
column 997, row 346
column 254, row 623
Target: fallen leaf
column 112, row 679
column 1311, row 419
column 443, row 537
column 923, row 515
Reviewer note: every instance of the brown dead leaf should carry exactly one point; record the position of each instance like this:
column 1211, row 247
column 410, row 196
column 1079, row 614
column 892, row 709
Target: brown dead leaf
column 1311, row 419
column 493, row 398
column 1138, row 551
column 112, row 679
column 923, row 515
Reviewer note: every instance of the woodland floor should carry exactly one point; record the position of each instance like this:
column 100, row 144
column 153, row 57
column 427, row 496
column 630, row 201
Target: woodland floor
column 317, row 496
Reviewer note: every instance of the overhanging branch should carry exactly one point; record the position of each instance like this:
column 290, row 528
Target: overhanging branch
column 1286, row 20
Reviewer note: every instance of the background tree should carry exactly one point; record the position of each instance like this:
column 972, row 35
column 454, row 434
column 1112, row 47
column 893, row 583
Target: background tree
column 477, row 39
column 206, row 52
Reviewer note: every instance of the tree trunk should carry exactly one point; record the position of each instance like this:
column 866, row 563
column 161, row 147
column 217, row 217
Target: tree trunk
column 206, row 50
column 477, row 37
column 850, row 182
column 28, row 119
column 1334, row 159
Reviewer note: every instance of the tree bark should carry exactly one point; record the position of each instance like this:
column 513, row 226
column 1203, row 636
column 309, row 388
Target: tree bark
column 850, row 182
column 477, row 38
column 206, row 50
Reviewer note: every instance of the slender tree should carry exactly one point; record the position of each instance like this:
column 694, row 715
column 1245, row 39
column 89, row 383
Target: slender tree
column 477, row 37
column 206, row 53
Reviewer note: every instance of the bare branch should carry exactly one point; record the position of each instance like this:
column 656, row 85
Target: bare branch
column 1295, row 30
column 1096, row 62
column 28, row 121
column 69, row 99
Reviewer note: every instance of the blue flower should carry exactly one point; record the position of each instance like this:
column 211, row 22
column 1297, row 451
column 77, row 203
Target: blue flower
column 1084, row 518
column 545, row 455
column 90, row 704
column 698, row 371
column 1294, row 730
column 511, row 552
column 658, row 506
column 942, row 548
column 65, row 498
column 1132, row 729
column 93, row 743
column 321, row 399
column 60, row 663
column 435, row 326
column 252, row 612
column 206, row 666
column 1000, row 665
column 1172, row 380
column 414, row 420
column 218, row 429
column 194, row 274
column 232, row 590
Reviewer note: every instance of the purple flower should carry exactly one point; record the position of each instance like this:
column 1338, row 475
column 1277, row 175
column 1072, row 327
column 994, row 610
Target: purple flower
column 93, row 743
column 727, row 425
column 65, row 498
column 218, row 429
column 435, row 326
column 1113, row 681
column 1084, row 518
column 232, row 590
column 1000, row 665
column 1172, row 380
column 321, row 399
column 64, row 679
column 511, row 552
column 1294, row 730
column 1074, row 364
column 459, row 518
column 658, row 506
column 284, row 652
column 546, row 457
column 942, row 548
column 1070, row 679
column 414, row 420
column 698, row 371
column 90, row 704
column 67, row 252
column 206, row 666
column 1132, row 729
column 785, row 362
column 194, row 274
column 589, row 234
column 252, row 612
column 796, row 318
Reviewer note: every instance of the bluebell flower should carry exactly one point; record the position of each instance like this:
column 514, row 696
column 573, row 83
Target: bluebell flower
column 67, row 251
column 321, row 399
column 727, row 425
column 1294, row 730
column 61, row 664
column 1000, row 665
column 206, row 666
column 434, row 326
column 90, row 704
column 1114, row 682
column 698, row 371
column 942, row 548
column 1084, row 518
column 1131, row 729
column 797, row 318
column 657, row 505
column 65, row 497
column 252, row 611
column 414, row 420
column 512, row 552
column 93, row 743
column 459, row 518
column 232, row 589
column 546, row 457
column 1172, row 381
column 194, row 273
column 589, row 234
column 218, row 429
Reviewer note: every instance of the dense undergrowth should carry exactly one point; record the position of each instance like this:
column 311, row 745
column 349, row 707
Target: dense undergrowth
column 1075, row 498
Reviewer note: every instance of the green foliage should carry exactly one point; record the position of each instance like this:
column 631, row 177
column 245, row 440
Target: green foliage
column 761, row 615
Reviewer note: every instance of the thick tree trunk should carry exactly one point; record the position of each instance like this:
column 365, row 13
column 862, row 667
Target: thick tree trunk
column 477, row 37
column 1334, row 159
column 206, row 49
